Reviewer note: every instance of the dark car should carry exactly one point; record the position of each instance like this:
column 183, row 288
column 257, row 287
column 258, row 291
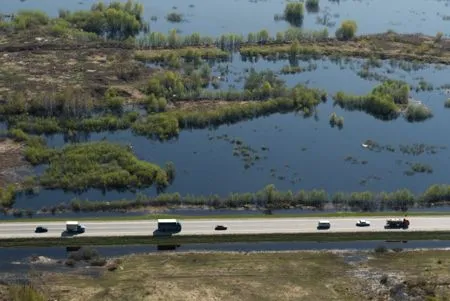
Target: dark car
column 220, row 228
column 40, row 229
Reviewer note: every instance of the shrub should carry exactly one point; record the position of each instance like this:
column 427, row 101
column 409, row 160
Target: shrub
column 381, row 249
column 417, row 112
column 28, row 19
column 447, row 103
column 98, row 262
column 347, row 30
column 312, row 5
column 85, row 254
column 294, row 12
column 174, row 17
column 336, row 120
column 381, row 102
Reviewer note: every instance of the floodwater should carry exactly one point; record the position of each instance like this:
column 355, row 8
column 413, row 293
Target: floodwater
column 18, row 259
column 303, row 153
column 215, row 17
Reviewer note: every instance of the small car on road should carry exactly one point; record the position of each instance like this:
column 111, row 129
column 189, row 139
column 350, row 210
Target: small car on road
column 40, row 229
column 220, row 228
column 363, row 223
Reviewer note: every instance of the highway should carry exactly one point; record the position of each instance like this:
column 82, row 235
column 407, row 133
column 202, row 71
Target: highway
column 205, row 227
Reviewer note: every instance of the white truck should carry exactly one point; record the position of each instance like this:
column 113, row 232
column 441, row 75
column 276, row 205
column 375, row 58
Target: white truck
column 169, row 225
column 75, row 227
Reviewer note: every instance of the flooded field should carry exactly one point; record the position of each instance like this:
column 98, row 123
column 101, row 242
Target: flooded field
column 296, row 152
column 216, row 17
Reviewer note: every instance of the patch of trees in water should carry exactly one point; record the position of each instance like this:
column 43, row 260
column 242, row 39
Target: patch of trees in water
column 385, row 101
column 101, row 165
column 115, row 20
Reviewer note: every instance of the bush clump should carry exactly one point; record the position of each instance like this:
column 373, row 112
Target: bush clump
column 312, row 5
column 294, row 13
column 417, row 112
column 174, row 17
column 382, row 102
column 100, row 165
column 336, row 120
column 347, row 30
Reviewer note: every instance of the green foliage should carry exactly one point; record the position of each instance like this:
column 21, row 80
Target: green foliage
column 29, row 19
column 116, row 20
column 381, row 102
column 24, row 293
column 271, row 198
column 312, row 5
column 7, row 196
column 161, row 126
column 174, row 17
column 167, row 125
column 447, row 103
column 436, row 194
column 294, row 13
column 229, row 41
column 417, row 112
column 336, row 120
column 347, row 30
column 397, row 89
column 100, row 165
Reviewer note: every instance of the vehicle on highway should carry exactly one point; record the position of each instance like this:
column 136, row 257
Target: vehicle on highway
column 397, row 223
column 220, row 228
column 323, row 225
column 74, row 227
column 40, row 229
column 363, row 223
column 169, row 226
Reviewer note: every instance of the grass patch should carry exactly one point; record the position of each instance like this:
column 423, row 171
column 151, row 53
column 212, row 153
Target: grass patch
column 225, row 238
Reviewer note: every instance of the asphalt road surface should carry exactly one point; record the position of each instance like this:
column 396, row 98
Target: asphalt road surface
column 235, row 226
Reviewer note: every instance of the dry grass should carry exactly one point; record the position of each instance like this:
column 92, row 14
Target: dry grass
column 52, row 70
column 385, row 46
column 204, row 105
column 418, row 275
column 259, row 276
column 11, row 157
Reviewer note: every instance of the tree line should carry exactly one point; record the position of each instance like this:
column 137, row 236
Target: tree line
column 271, row 199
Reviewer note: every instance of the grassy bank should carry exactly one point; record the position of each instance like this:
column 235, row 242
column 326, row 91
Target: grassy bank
column 225, row 238
column 267, row 276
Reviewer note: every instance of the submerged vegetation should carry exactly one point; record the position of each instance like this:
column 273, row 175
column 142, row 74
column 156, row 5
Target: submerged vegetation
column 336, row 120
